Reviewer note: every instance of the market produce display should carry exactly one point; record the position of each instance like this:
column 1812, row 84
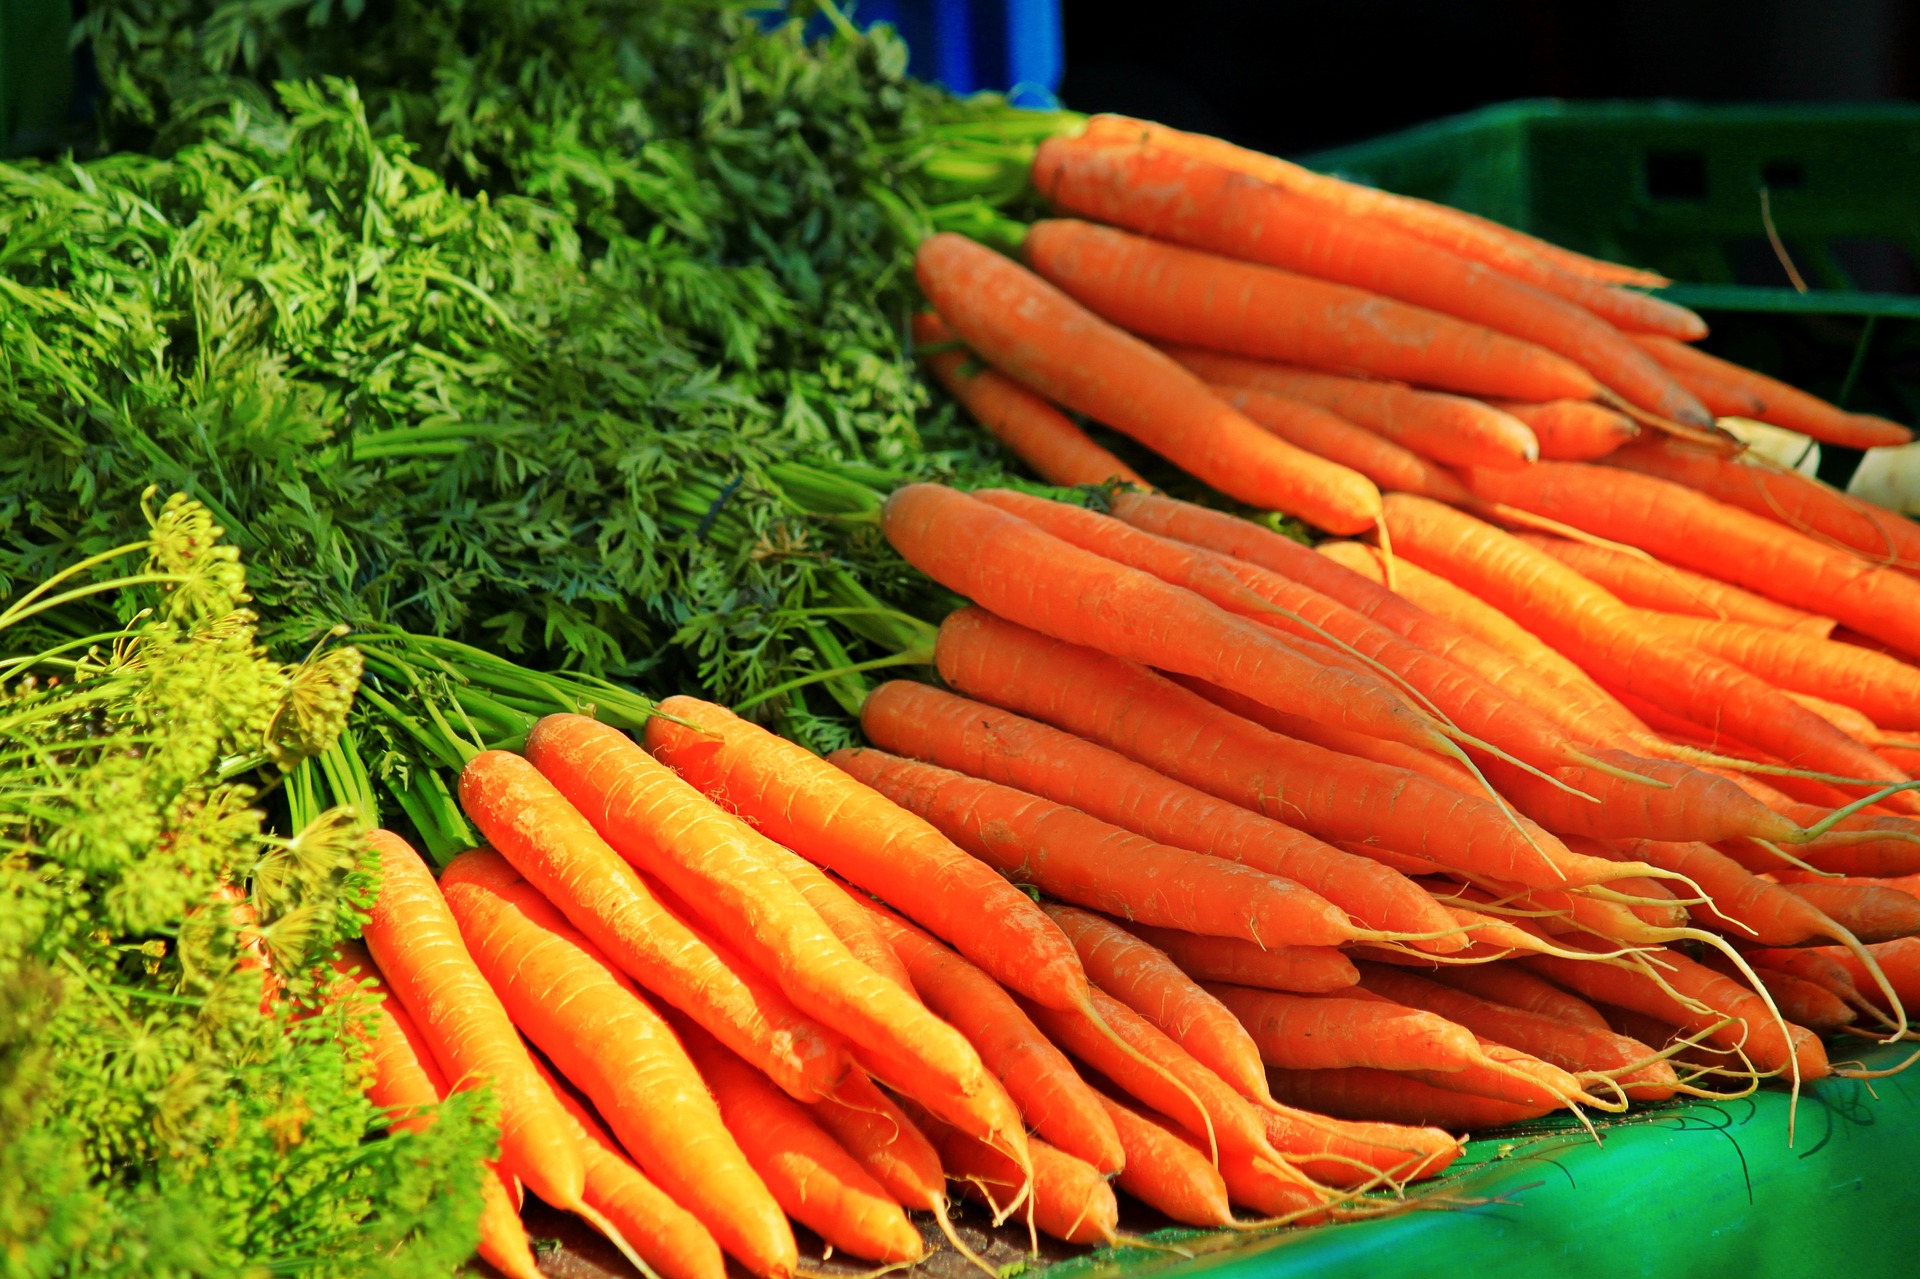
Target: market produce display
column 477, row 469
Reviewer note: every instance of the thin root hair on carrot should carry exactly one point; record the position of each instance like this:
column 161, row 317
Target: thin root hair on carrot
column 1092, row 1014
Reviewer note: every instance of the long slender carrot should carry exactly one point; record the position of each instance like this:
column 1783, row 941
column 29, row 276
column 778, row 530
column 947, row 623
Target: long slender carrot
column 1781, row 404
column 419, row 948
column 602, row 1036
column 812, row 1178
column 1392, row 467
column 1446, row 428
column 1020, row 572
column 1340, row 1152
column 1309, row 970
column 872, row 1128
column 1325, row 1032
column 1518, row 254
column 1154, row 721
column 532, row 825
column 1036, row 432
column 1068, row 1200
column 720, row 867
column 1811, row 965
column 1573, row 430
column 1515, row 987
column 1052, row 1097
column 667, row 1236
column 851, row 924
column 1900, row 960
column 1203, row 205
column 1785, row 496
column 1165, row 1172
column 1802, row 1002
column 1872, row 913
column 1361, row 1092
column 1034, row 333
column 1180, row 295
column 1683, row 527
column 1081, row 859
column 987, row 742
column 1663, row 588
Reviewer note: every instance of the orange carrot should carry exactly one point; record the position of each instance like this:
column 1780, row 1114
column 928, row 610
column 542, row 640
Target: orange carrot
column 877, row 1133
column 1022, row 573
column 1811, row 965
column 1780, row 404
column 1802, row 1002
column 419, row 948
column 1900, row 960
column 1391, row 467
column 1649, row 584
column 1870, row 912
column 1573, row 430
column 722, row 868
column 1034, row 333
column 666, row 1236
column 1179, row 295
column 1326, row 1032
column 987, row 742
column 1036, row 432
column 1340, row 1152
column 603, row 1036
column 1051, row 1096
column 1515, row 987
column 1165, row 1172
column 1361, row 1092
column 1069, row 1199
column 1446, row 428
column 852, row 925
column 1310, row 970
column 1207, row 206
column 532, row 825
column 812, row 1178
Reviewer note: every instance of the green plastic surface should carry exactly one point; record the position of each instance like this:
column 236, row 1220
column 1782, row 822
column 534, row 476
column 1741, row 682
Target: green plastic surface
column 1691, row 1190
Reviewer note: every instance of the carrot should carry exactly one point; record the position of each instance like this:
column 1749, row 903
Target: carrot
column 1069, row 1199
column 1573, row 430
column 1154, row 721
column 1845, row 718
column 1310, row 970
column 1802, row 1002
column 532, row 825
column 1514, row 986
column 1165, row 1172
column 1207, row 206
column 1037, row 335
column 722, row 868
column 852, row 925
column 1725, row 394
column 1781, row 404
column 407, row 1084
column 1339, row 1152
column 1017, row 570
column 1259, row 1185
column 1870, row 912
column 665, row 1235
column 1764, row 488
column 990, row 743
column 1361, row 1092
column 1033, row 430
column 1683, row 527
column 1649, row 584
column 1445, row 428
column 419, row 948
column 1810, row 965
column 1325, row 1032
column 602, row 1036
column 1179, row 295
column 1900, row 960
column 810, row 1176
column 1391, row 467
column 1080, row 859
column 1593, row 626
column 872, row 1128
column 1514, row 252
column 1052, row 1098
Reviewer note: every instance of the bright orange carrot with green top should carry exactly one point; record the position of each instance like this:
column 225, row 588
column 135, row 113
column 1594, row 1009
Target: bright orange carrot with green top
column 1391, row 467
column 1309, row 970
column 1037, row 335
column 1165, row 1172
column 1181, row 295
column 603, row 1037
column 419, row 948
column 1207, row 206
column 1780, row 404
column 1573, row 430
column 1036, row 432
column 1649, row 584
column 723, row 868
column 1446, row 428
column 984, row 741
column 1081, row 859
column 532, row 825
column 1022, row 573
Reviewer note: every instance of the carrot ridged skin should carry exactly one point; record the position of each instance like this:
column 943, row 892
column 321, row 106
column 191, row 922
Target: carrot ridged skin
column 1817, row 967
column 1802, row 1002
column 877, row 1133
column 721, row 867
column 1362, row 1092
column 1018, row 571
column 1573, row 430
column 1131, row 710
column 851, row 924
column 1899, row 960
column 1684, row 527
column 1036, row 432
column 1172, row 294
column 1327, row 1032
column 1165, row 1172
column 1693, row 805
column 1052, row 1098
column 622, row 1054
column 812, row 1178
column 1080, row 859
column 1664, row 588
column 1391, row 467
column 1780, row 404
column 1307, row 970
column 667, row 1236
column 424, row 957
column 1040, row 337
column 1208, row 206
column 1444, row 428
column 530, row 823
column 922, row 722
column 1515, row 987
column 1070, row 1200
column 1871, row 912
